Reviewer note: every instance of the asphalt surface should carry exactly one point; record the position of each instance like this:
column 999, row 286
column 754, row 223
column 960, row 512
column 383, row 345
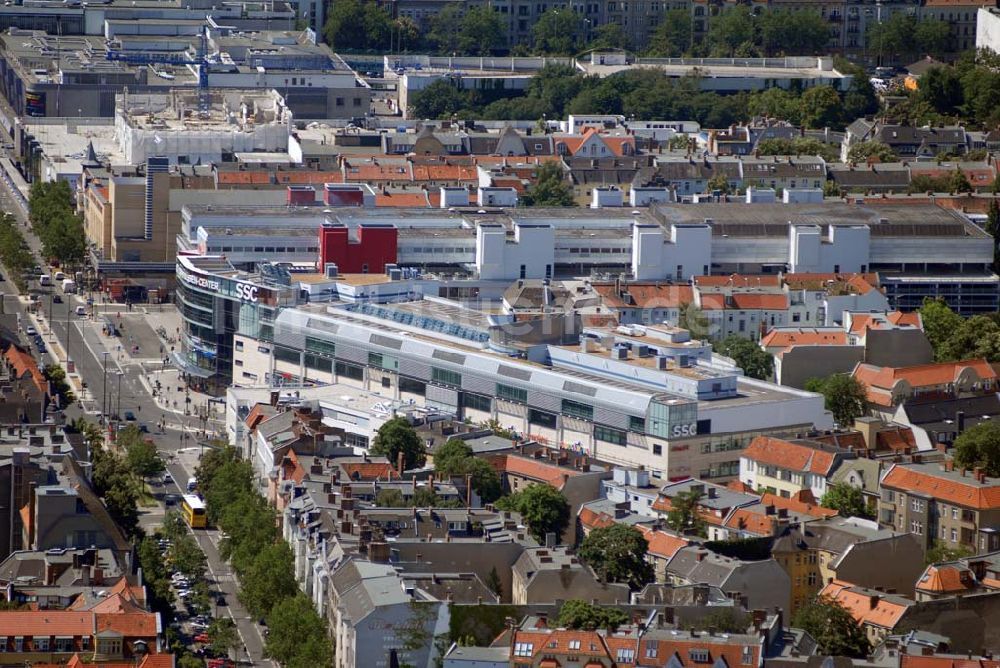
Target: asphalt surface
column 176, row 442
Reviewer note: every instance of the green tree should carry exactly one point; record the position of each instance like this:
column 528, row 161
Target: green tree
column 155, row 576
column 352, row 25
column 485, row 480
column 672, row 37
column 617, row 553
column 543, row 508
column 481, row 32
column 992, row 228
column 941, row 87
column 932, row 37
column 141, row 455
column 446, row 29
column 939, row 322
column 977, row 337
column 821, row 107
column 793, row 33
column 941, row 553
column 834, row 629
column 440, row 99
column 894, row 37
column 188, row 660
column 683, row 516
column 731, row 30
column 550, row 187
column 450, row 458
column 775, row 103
column 390, row 498
column 297, row 636
column 843, row 395
column 610, row 36
column 979, row 446
column 798, row 146
column 187, row 557
column 755, row 361
column 958, row 182
column 557, row 31
column 397, row 436
column 719, row 183
column 577, row 614
column 493, row 582
column 721, row 620
column 425, row 497
column 871, row 149
column 848, row 500
column 222, row 636
column 122, row 501
column 269, row 580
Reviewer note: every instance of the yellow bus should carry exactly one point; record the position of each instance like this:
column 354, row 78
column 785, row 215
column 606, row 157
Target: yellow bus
column 193, row 509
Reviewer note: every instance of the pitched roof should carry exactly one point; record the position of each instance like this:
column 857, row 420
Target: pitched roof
column 47, row 623
column 739, row 281
column 867, row 606
column 661, row 543
column 928, row 479
column 723, row 649
column 592, row 519
column 364, row 471
column 923, row 375
column 24, row 365
column 129, row 624
column 765, row 301
column 938, row 661
column 786, row 337
column 951, row 578
column 645, row 295
column 789, row 455
column 536, row 469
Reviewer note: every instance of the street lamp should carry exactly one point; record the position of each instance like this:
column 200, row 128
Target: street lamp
column 118, row 413
column 104, row 386
column 68, row 334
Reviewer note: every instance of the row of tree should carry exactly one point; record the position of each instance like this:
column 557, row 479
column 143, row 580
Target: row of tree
column 14, row 252
column 645, row 94
column 262, row 561
column 956, row 338
column 57, row 225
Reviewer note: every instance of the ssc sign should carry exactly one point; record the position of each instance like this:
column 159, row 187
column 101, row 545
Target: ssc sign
column 679, row 430
column 245, row 292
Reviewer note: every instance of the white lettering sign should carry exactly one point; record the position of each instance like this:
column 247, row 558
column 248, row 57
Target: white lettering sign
column 246, row 292
column 684, row 429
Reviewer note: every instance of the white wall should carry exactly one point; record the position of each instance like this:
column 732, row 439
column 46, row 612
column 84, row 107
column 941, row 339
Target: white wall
column 653, row 257
column 497, row 259
column 846, row 249
column 987, row 30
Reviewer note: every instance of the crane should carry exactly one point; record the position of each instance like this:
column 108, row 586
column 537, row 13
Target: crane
column 200, row 60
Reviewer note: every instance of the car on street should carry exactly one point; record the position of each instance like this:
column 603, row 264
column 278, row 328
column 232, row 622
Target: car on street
column 81, row 310
column 143, row 429
column 56, row 299
column 168, row 478
column 31, row 331
column 129, row 416
column 201, row 637
column 220, row 601
column 41, row 346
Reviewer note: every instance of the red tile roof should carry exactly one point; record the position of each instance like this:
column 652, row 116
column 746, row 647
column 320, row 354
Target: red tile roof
column 369, row 471
column 799, row 505
column 535, row 469
column 915, row 661
column 803, row 336
column 788, row 455
column 129, row 624
column 739, row 281
column 591, row 519
column 866, row 608
column 881, row 381
column 647, row 295
column 721, row 651
column 409, row 200
column 745, row 301
column 47, row 623
column 24, row 365
column 855, row 283
column 946, row 579
column 663, row 544
column 964, row 492
column 545, row 643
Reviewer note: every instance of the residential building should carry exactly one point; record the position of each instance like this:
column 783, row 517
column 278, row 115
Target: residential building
column 786, row 468
column 907, row 142
column 758, row 584
column 946, row 580
column 938, row 502
column 818, row 552
column 889, row 387
column 875, row 611
column 546, row 574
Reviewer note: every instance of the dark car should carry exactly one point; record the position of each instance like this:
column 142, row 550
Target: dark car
column 56, row 299
column 170, row 500
column 129, row 416
column 220, row 601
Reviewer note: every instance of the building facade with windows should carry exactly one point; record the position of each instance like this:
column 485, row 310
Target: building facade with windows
column 630, row 400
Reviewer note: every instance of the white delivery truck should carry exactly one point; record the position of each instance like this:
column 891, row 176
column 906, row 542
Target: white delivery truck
column 45, row 279
column 69, row 286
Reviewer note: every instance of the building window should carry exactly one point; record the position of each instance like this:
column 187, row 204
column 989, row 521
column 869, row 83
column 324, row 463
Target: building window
column 351, row 371
column 626, row 655
column 523, row 649
column 747, row 658
column 657, row 449
column 512, row 393
column 954, row 535
column 542, row 418
column 340, row 102
column 917, row 505
column 577, row 410
column 637, row 424
column 917, row 527
column 698, row 655
column 41, row 643
column 574, row 644
column 609, row 435
column 282, row 354
column 320, row 346
column 446, row 377
column 651, row 649
column 477, row 402
column 412, row 386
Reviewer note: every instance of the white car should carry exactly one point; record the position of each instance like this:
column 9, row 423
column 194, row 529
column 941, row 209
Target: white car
column 30, row 330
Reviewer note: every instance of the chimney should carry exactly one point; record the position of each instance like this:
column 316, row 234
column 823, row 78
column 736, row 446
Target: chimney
column 873, row 601
column 960, row 421
column 713, row 493
column 399, row 463
column 32, row 486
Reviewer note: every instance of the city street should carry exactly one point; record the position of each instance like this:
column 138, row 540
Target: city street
column 115, row 383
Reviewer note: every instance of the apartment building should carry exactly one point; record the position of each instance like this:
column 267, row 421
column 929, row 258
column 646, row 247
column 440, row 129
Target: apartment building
column 939, row 502
column 787, row 468
column 889, row 387
column 875, row 611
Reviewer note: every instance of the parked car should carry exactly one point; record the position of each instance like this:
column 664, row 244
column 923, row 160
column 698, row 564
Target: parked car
column 129, row 416
column 202, row 637
column 31, row 331
column 56, row 299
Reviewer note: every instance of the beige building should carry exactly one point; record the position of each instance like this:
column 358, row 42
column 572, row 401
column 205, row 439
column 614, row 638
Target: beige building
column 939, row 502
column 546, row 575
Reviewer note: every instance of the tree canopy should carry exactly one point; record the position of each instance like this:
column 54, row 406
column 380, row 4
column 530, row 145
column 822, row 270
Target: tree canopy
column 577, row 614
column 755, row 361
column 979, row 446
column 398, row 436
column 58, row 227
column 844, row 396
column 683, row 515
column 617, row 553
column 834, row 629
column 848, row 500
column 543, row 508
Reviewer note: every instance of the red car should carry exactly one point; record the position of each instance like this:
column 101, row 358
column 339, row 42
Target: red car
column 201, row 637
column 217, row 663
